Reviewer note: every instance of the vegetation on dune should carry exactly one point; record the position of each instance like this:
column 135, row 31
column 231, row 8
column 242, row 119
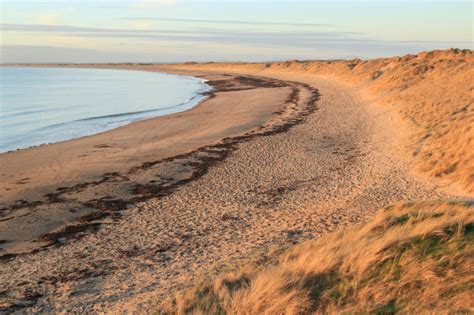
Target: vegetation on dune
column 411, row 258
column 432, row 90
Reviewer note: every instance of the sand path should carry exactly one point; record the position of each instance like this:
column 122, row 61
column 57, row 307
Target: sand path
column 276, row 186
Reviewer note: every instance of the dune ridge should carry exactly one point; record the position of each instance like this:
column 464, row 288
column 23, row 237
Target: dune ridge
column 412, row 257
column 432, row 90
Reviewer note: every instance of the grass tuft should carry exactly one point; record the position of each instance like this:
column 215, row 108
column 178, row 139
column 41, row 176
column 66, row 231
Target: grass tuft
column 411, row 258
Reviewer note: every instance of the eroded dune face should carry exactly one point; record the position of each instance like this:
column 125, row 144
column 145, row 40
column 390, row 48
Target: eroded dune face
column 433, row 90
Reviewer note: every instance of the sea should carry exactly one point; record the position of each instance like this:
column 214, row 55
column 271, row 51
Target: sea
column 48, row 105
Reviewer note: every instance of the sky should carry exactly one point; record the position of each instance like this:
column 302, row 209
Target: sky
column 209, row 30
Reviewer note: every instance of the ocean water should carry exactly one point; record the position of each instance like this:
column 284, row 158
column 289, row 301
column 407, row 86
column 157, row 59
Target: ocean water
column 47, row 105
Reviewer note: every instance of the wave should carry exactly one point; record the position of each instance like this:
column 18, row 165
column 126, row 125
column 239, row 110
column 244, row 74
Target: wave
column 161, row 109
column 25, row 113
column 38, row 124
column 109, row 119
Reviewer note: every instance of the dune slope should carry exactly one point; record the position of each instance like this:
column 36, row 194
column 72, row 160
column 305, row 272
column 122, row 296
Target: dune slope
column 432, row 90
column 413, row 257
column 409, row 258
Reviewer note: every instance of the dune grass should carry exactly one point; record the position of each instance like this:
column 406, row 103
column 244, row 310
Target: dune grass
column 411, row 258
column 432, row 90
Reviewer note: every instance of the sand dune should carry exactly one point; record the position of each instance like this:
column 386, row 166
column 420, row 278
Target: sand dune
column 286, row 154
column 432, row 90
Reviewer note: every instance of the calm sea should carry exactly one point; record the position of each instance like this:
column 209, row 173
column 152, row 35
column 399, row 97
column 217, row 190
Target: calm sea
column 46, row 105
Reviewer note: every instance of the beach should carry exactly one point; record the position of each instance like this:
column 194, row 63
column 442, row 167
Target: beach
column 39, row 176
column 119, row 220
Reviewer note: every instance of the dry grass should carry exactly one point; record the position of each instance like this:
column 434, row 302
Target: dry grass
column 433, row 90
column 411, row 258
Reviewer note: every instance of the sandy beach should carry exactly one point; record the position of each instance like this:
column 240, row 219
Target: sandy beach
column 55, row 184
column 119, row 220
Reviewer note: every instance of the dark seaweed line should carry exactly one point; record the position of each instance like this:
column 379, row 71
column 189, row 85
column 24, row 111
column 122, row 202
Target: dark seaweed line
column 202, row 159
column 257, row 82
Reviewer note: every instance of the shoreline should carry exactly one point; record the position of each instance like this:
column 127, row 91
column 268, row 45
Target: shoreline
column 201, row 94
column 38, row 197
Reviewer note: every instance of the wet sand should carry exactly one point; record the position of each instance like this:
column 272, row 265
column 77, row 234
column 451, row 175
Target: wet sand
column 116, row 221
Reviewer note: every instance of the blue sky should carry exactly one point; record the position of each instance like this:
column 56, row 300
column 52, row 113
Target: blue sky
column 180, row 30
